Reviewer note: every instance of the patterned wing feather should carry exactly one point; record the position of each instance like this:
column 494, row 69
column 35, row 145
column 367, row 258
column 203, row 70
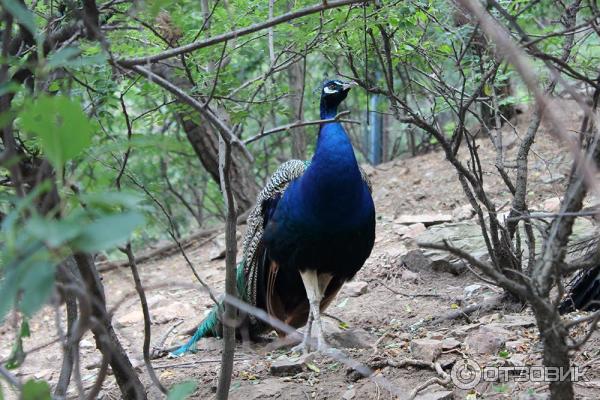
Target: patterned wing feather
column 257, row 219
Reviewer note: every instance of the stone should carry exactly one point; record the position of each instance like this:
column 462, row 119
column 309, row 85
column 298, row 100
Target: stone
column 551, row 205
column 86, row 344
column 43, row 374
column 130, row 318
column 487, row 340
column 437, row 395
column 533, row 396
column 355, row 288
column 218, row 252
column 510, row 321
column 354, row 338
column 415, row 260
column 463, row 213
column 450, row 343
column 517, row 360
column 471, row 290
column 173, row 310
column 425, row 219
column 414, row 230
column 408, row 275
column 426, row 349
column 368, row 169
column 349, row 394
column 515, row 345
column 454, row 268
column 290, row 366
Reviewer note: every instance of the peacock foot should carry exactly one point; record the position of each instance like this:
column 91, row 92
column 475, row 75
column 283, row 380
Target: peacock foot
column 302, row 348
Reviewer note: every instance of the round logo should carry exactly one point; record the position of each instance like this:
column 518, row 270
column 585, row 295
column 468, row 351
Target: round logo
column 466, row 374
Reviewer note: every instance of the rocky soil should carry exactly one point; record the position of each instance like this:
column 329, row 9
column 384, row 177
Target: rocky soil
column 403, row 305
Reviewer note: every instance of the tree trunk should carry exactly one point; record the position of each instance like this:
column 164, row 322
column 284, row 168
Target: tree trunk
column 296, row 90
column 106, row 339
column 556, row 354
column 204, row 139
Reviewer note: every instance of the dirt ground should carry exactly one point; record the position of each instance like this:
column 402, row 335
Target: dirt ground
column 382, row 316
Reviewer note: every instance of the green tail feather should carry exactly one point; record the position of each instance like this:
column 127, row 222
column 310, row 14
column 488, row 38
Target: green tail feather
column 210, row 326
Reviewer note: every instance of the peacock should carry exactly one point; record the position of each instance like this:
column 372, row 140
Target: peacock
column 311, row 230
column 582, row 292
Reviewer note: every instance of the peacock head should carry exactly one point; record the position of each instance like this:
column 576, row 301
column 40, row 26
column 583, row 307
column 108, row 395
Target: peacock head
column 333, row 92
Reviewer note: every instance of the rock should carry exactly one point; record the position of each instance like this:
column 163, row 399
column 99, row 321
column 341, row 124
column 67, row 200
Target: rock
column 487, row 340
column 425, row 219
column 533, row 396
column 130, row 318
column 517, row 360
column 514, row 345
column 43, row 374
column 463, row 213
column 355, row 288
column 400, row 230
column 438, row 395
column 369, row 169
column 409, row 231
column 218, row 252
column 349, row 394
column 408, row 275
column 471, row 290
column 516, row 321
column 465, row 235
column 415, row 260
column 356, row 338
column 454, row 268
column 551, row 205
column 290, row 366
column 414, row 230
column 156, row 299
column 271, row 388
column 174, row 310
column 86, row 344
column 450, row 343
column 426, row 349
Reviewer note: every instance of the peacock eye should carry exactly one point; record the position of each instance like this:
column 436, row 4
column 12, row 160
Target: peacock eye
column 330, row 88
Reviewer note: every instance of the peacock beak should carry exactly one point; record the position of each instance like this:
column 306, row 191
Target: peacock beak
column 348, row 85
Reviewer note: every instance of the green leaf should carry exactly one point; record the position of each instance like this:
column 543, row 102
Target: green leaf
column 110, row 200
column 21, row 14
column 108, row 231
column 504, row 353
column 62, row 126
column 36, row 390
column 53, row 232
column 182, row 391
column 37, row 284
column 9, row 87
column 62, row 57
column 17, row 356
column 72, row 57
column 313, row 367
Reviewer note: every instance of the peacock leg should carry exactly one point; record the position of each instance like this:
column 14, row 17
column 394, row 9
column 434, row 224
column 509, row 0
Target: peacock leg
column 315, row 286
column 304, row 347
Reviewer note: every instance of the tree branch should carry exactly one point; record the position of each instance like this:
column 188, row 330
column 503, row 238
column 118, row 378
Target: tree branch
column 128, row 63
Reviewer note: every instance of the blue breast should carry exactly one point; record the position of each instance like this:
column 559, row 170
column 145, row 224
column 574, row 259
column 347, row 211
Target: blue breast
column 331, row 195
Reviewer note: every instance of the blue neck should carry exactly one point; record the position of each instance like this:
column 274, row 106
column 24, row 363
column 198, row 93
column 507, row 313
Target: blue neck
column 331, row 187
column 327, row 112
